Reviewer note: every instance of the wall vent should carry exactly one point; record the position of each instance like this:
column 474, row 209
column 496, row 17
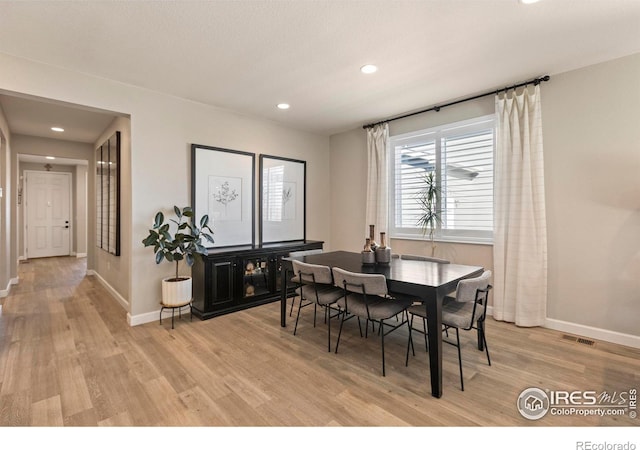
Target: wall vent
column 579, row 340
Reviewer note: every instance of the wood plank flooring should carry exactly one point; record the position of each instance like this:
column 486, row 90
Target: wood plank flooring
column 68, row 358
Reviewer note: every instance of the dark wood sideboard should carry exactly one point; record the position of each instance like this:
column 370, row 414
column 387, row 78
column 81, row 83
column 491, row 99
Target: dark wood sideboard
column 234, row 278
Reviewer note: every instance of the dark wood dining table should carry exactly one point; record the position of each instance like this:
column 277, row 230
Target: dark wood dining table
column 427, row 281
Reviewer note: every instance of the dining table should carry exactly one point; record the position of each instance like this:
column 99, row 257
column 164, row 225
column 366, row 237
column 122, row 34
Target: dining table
column 426, row 281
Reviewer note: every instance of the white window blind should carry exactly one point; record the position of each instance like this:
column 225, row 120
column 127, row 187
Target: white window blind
column 461, row 155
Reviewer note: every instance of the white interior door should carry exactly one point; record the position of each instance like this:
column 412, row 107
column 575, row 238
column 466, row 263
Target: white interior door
column 48, row 221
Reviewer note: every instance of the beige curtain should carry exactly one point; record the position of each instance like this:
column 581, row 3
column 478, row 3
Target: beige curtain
column 377, row 209
column 520, row 239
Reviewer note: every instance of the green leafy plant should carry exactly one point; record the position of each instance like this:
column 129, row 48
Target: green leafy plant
column 185, row 243
column 428, row 200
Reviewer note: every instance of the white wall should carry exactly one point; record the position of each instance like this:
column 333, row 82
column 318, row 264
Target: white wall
column 591, row 125
column 162, row 130
column 591, row 120
column 5, row 207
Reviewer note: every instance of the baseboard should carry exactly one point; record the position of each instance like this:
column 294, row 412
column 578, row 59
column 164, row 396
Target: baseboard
column 22, row 258
column 123, row 302
column 140, row 319
column 586, row 331
column 594, row 333
column 81, row 255
column 5, row 292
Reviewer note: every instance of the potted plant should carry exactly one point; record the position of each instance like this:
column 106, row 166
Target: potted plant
column 428, row 199
column 184, row 242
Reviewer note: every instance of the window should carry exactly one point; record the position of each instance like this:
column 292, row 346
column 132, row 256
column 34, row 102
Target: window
column 461, row 156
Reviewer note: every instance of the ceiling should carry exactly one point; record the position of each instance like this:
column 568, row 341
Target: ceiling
column 247, row 55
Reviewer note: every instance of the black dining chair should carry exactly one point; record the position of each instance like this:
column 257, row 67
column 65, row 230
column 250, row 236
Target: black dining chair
column 316, row 288
column 466, row 311
column 294, row 279
column 366, row 296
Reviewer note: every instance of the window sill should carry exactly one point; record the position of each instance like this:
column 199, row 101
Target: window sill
column 448, row 240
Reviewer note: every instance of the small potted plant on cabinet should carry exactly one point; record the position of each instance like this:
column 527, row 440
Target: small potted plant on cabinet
column 184, row 242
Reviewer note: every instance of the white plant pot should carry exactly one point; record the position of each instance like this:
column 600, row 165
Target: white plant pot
column 176, row 293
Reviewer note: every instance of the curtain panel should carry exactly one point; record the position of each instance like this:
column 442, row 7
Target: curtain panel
column 520, row 234
column 377, row 208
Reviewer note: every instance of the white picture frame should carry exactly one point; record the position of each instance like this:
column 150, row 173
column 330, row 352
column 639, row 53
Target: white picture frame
column 282, row 199
column 223, row 187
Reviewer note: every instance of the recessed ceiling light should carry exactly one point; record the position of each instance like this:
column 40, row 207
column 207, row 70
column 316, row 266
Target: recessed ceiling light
column 58, row 129
column 528, row 2
column 283, row 106
column 51, row 157
column 368, row 68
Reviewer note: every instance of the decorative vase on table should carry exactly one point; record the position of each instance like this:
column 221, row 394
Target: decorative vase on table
column 368, row 255
column 372, row 237
column 383, row 253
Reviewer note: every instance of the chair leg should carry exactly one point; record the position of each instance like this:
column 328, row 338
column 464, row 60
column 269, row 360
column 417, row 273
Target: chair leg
column 315, row 311
column 327, row 310
column 293, row 302
column 459, row 359
column 344, row 314
column 409, row 342
column 486, row 347
column 382, row 342
column 426, row 335
column 297, row 317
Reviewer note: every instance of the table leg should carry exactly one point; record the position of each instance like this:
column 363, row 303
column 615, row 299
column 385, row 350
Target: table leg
column 283, row 299
column 434, row 325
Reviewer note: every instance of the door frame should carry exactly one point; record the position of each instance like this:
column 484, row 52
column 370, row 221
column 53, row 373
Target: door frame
column 25, row 209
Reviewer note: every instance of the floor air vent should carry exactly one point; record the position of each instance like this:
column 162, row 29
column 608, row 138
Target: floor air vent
column 579, row 340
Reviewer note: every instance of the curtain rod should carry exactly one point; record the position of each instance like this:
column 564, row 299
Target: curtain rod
column 535, row 82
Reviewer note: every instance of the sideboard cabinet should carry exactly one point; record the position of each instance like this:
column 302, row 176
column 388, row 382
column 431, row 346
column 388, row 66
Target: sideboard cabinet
column 234, row 278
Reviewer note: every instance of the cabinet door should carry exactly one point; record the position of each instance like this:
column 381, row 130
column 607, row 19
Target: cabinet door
column 278, row 271
column 256, row 276
column 222, row 281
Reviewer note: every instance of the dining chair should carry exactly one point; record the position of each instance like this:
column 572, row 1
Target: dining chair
column 316, row 288
column 466, row 311
column 425, row 258
column 366, row 296
column 314, row 251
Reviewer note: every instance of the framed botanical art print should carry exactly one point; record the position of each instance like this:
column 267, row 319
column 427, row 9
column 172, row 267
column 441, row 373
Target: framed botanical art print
column 282, row 199
column 222, row 187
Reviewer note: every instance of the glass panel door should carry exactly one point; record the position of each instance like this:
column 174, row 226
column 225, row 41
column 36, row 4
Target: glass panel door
column 256, row 276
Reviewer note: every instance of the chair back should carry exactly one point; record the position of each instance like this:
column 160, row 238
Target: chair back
column 425, row 258
column 361, row 283
column 472, row 289
column 306, row 252
column 312, row 273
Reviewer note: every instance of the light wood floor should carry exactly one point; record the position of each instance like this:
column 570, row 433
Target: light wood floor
column 68, row 358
